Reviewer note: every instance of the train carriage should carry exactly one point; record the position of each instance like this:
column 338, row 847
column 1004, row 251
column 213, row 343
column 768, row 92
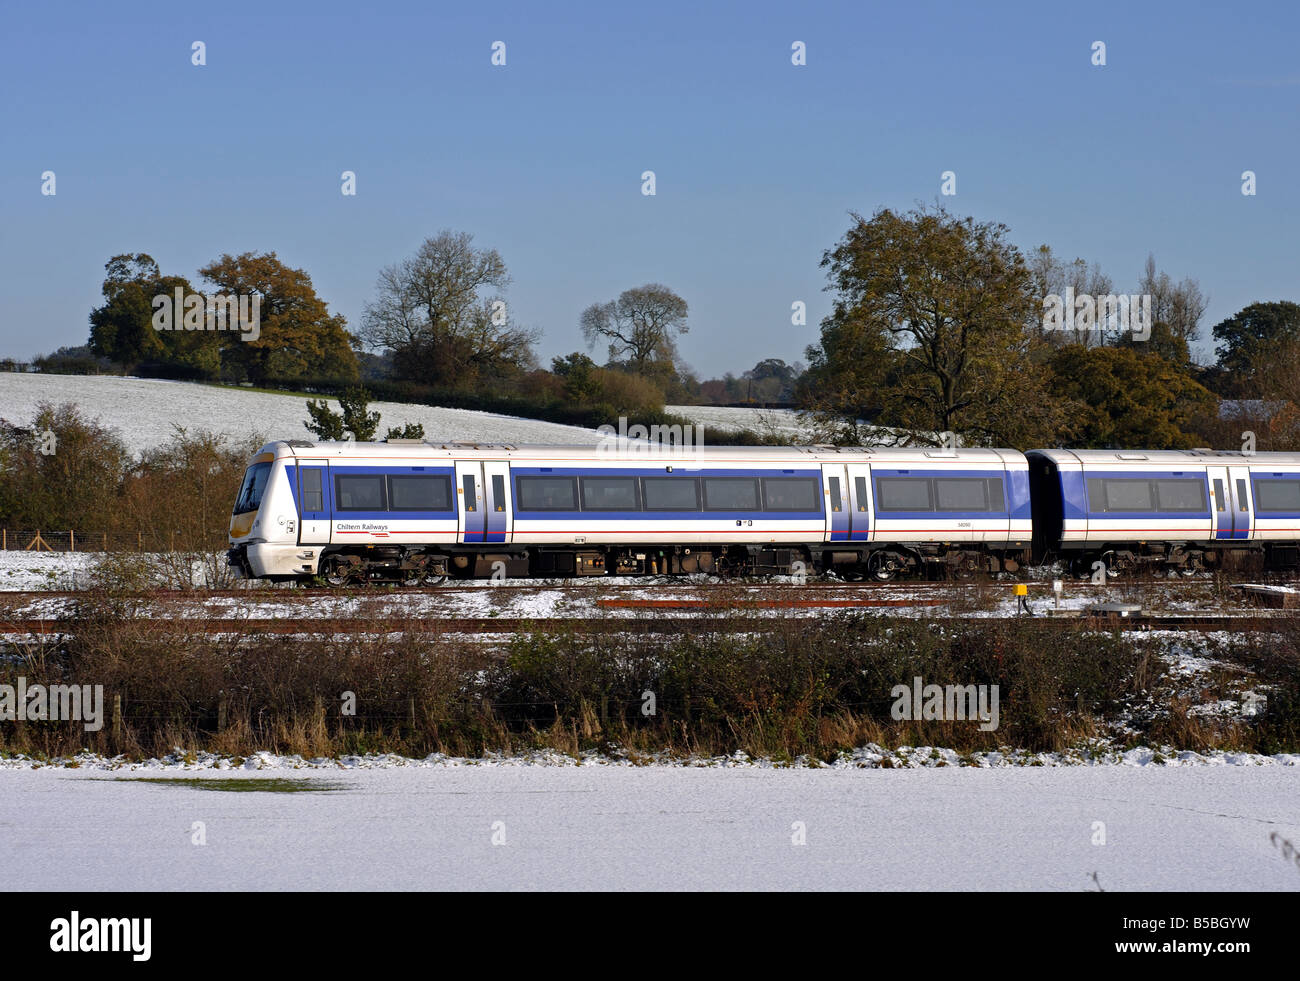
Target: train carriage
column 1165, row 510
column 419, row 511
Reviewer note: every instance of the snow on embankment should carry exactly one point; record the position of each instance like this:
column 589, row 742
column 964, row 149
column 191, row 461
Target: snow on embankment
column 145, row 411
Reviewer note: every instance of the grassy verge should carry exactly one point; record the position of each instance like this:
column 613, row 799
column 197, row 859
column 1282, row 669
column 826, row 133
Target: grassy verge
column 814, row 688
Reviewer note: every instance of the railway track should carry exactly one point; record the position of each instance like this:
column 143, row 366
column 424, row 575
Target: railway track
column 587, row 586
column 352, row 626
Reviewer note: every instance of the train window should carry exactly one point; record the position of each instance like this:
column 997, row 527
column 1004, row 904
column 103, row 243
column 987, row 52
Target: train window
column 1180, row 495
column 471, row 493
column 250, row 492
column 903, row 494
column 1119, row 494
column 1243, row 502
column 1219, row 504
column 671, row 493
column 997, row 500
column 609, row 494
column 792, row 493
column 860, row 485
column 498, row 492
column 359, row 492
column 419, row 493
column 961, row 494
column 730, row 494
column 837, row 503
column 546, row 494
column 1277, row 495
column 313, row 493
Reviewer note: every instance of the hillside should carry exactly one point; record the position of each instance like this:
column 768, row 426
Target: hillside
column 145, row 411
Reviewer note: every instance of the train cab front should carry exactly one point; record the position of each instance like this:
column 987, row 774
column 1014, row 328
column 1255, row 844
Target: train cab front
column 264, row 522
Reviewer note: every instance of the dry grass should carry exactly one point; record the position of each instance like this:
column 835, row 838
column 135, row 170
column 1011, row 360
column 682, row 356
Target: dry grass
column 804, row 687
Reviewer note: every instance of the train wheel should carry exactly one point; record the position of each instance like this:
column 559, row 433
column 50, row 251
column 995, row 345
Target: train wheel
column 337, row 572
column 415, row 581
column 881, row 566
column 1112, row 563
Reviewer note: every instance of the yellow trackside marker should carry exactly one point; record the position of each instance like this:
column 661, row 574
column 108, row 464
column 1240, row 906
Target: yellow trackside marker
column 1022, row 589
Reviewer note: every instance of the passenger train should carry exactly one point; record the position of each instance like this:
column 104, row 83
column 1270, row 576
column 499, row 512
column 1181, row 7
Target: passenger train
column 417, row 512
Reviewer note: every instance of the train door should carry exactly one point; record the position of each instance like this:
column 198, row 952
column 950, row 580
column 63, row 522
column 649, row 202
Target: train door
column 1233, row 507
column 471, row 515
column 496, row 484
column 314, row 502
column 838, row 512
column 1243, row 507
column 859, row 502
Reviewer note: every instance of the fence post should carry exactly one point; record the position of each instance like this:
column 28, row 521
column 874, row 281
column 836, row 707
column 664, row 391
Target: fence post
column 117, row 720
column 221, row 710
column 72, row 541
column 412, row 715
column 4, row 537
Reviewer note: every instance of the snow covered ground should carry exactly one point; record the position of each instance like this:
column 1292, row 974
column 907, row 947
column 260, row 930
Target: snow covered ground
column 144, row 411
column 22, row 571
column 657, row 828
column 784, row 421
column 786, row 424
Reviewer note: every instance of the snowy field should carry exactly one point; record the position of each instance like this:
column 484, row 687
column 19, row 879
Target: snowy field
column 784, row 421
column 787, row 424
column 21, row 571
column 658, row 828
column 144, row 412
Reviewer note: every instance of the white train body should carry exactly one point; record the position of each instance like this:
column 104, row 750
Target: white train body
column 407, row 510
column 1166, row 502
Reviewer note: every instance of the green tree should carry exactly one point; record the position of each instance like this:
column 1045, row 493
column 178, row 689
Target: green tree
column 581, row 378
column 412, row 430
column 1130, row 398
column 1163, row 342
column 771, row 380
column 123, row 330
column 326, row 424
column 1246, row 338
column 298, row 336
column 935, row 327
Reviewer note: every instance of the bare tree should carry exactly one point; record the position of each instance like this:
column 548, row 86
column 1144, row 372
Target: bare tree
column 442, row 314
column 641, row 327
column 1051, row 276
column 1179, row 305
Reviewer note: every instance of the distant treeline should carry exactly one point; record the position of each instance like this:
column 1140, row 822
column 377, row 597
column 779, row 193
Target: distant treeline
column 939, row 324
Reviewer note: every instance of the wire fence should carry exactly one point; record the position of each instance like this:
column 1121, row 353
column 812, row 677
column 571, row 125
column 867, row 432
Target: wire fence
column 39, row 540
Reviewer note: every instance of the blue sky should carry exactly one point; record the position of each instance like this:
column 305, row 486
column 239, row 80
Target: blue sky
column 758, row 162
